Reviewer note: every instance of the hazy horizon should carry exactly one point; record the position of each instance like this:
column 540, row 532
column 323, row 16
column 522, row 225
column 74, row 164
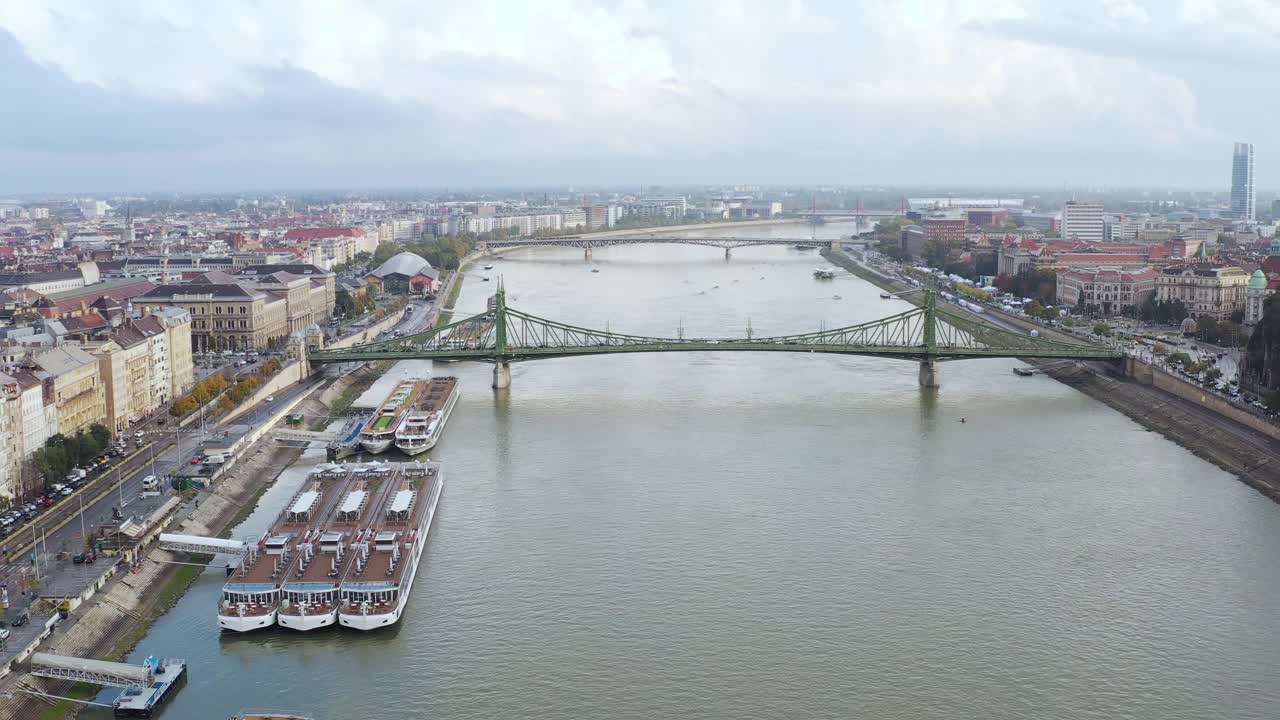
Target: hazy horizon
column 1027, row 94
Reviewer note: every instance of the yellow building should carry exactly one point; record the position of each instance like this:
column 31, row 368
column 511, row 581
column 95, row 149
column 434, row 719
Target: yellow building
column 225, row 315
column 1204, row 289
column 77, row 387
column 114, row 371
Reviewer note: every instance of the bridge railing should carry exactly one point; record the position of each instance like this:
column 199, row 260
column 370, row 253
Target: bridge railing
column 927, row 331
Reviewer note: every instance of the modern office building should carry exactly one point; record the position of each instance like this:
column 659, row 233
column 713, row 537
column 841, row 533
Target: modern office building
column 1082, row 221
column 1242, row 197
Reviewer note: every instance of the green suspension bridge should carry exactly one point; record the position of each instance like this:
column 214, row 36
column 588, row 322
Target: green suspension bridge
column 926, row 334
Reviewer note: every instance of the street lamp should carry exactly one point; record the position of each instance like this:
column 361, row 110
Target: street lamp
column 83, row 534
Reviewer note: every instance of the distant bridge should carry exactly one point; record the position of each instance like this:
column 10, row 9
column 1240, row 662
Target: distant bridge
column 850, row 213
column 587, row 242
column 925, row 334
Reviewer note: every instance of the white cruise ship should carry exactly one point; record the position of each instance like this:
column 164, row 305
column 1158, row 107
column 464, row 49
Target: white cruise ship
column 379, row 432
column 425, row 421
column 251, row 595
column 376, row 588
column 310, row 593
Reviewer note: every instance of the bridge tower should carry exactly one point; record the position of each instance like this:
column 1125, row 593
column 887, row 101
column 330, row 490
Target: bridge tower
column 929, row 365
column 501, row 363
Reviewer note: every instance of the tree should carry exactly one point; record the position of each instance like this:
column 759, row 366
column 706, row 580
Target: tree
column 344, row 305
column 935, row 253
column 100, row 434
column 1004, row 283
column 1102, row 329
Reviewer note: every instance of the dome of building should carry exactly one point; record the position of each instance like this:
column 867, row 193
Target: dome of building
column 405, row 263
column 1188, row 326
column 1258, row 281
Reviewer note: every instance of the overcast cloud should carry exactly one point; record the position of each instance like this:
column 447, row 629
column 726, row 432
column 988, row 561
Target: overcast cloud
column 152, row 95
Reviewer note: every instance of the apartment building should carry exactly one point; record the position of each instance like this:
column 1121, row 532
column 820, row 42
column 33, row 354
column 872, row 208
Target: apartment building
column 323, row 291
column 77, row 387
column 177, row 325
column 10, row 435
column 1082, row 221
column 1205, row 289
column 949, row 231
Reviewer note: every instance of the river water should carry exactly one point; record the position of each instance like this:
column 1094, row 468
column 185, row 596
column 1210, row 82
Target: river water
column 780, row 535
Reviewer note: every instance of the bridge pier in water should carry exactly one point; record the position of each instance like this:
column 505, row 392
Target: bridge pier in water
column 929, row 374
column 726, row 253
column 502, row 374
column 586, row 253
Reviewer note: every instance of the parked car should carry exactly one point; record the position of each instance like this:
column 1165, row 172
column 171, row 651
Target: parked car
column 86, row 558
column 20, row 620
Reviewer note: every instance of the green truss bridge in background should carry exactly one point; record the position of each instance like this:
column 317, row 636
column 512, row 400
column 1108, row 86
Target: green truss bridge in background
column 926, row 334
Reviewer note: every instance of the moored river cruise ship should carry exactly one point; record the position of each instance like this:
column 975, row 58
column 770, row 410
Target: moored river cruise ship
column 379, row 433
column 425, row 421
column 310, row 594
column 376, row 589
column 251, row 595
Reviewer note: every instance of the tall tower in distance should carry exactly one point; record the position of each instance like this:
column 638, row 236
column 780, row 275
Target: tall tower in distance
column 127, row 236
column 1242, row 197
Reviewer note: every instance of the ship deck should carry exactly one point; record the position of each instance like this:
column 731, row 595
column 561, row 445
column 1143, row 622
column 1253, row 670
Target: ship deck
column 408, row 392
column 401, row 518
column 433, row 400
column 262, row 575
column 376, row 481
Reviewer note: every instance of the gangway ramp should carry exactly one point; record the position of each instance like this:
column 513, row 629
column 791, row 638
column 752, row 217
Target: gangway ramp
column 98, row 672
column 201, row 544
column 287, row 435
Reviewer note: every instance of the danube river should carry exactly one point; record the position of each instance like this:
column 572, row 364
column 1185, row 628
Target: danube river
column 780, row 535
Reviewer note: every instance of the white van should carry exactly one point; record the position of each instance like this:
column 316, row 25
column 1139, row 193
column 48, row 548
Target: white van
column 150, row 484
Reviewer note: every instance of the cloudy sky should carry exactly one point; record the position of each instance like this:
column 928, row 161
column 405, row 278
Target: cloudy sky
column 156, row 94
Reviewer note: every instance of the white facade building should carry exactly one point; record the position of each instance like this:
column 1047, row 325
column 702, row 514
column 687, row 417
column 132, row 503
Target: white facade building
column 1082, row 221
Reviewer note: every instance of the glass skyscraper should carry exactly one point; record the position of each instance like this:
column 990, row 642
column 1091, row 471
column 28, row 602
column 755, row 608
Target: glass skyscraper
column 1242, row 205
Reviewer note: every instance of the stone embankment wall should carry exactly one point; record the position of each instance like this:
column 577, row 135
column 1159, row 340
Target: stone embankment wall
column 369, row 333
column 1147, row 374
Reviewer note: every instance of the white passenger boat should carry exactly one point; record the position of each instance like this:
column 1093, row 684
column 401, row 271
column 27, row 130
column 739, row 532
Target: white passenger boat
column 425, row 421
column 379, row 432
column 310, row 594
column 376, row 590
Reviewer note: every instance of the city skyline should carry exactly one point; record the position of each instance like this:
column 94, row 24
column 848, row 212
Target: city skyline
column 952, row 93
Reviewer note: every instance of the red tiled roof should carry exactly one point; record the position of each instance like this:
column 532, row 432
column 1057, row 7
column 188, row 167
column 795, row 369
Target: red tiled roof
column 321, row 233
column 1100, row 258
column 119, row 294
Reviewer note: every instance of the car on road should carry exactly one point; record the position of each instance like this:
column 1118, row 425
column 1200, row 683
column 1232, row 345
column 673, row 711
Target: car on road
column 4, row 634
column 271, row 398
column 139, row 435
column 86, row 558
column 195, row 460
column 19, row 621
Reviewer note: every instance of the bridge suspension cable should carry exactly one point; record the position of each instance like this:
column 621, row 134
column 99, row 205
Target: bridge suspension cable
column 927, row 334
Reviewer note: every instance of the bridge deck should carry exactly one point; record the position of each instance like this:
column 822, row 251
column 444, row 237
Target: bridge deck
column 925, row 333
